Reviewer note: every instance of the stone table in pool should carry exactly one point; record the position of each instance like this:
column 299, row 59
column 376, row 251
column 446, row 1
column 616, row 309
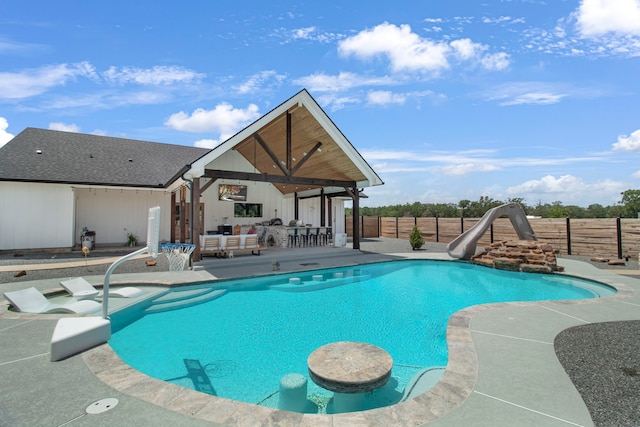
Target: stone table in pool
column 349, row 369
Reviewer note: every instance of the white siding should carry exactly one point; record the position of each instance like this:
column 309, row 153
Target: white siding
column 35, row 216
column 112, row 213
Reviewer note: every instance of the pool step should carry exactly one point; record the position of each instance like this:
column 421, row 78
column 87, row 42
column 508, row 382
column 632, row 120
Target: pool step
column 295, row 284
column 182, row 299
column 423, row 381
column 178, row 294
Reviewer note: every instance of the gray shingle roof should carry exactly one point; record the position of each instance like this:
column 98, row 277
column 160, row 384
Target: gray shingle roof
column 40, row 155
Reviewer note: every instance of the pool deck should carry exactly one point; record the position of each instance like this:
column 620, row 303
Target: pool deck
column 502, row 371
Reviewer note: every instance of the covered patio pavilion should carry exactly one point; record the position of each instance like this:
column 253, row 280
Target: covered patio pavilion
column 295, row 148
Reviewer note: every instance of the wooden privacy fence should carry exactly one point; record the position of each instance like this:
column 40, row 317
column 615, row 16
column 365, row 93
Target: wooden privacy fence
column 602, row 237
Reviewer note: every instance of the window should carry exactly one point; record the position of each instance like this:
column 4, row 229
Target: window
column 244, row 210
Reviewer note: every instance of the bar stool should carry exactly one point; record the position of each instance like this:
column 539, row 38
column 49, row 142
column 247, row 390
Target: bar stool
column 322, row 236
column 304, row 237
column 293, row 236
column 315, row 236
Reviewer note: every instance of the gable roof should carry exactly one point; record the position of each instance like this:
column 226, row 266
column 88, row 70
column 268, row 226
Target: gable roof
column 40, row 155
column 297, row 147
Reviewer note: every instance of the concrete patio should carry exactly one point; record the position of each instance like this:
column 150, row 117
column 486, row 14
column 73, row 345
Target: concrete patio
column 503, row 370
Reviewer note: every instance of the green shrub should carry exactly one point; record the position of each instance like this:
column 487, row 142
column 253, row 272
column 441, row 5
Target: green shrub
column 415, row 238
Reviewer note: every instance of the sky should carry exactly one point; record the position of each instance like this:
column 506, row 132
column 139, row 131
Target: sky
column 446, row 100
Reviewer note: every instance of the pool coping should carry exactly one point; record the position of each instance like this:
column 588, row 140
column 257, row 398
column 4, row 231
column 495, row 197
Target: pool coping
column 448, row 395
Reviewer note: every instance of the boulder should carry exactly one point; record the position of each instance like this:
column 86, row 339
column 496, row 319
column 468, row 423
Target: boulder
column 519, row 255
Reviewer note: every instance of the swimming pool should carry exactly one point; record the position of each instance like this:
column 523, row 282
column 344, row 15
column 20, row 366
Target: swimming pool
column 252, row 332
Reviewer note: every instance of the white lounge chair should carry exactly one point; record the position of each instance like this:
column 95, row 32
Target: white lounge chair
column 31, row 300
column 80, row 288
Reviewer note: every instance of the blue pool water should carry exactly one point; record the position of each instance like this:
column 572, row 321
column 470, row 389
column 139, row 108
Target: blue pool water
column 240, row 344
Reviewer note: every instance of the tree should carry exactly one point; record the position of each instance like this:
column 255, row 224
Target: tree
column 631, row 203
column 558, row 211
column 596, row 211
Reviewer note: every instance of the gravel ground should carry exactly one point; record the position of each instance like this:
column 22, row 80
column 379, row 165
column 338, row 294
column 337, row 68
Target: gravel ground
column 602, row 359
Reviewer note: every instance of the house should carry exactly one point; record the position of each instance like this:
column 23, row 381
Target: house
column 293, row 163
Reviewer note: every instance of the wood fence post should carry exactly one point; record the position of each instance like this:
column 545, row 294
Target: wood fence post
column 568, row 236
column 397, row 231
column 619, row 236
column 437, row 230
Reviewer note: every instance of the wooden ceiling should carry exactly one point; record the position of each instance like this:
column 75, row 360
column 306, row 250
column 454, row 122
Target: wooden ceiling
column 296, row 146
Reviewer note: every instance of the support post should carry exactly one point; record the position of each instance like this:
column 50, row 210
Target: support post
column 619, row 236
column 172, row 216
column 195, row 218
column 356, row 214
column 183, row 214
column 323, row 199
column 568, row 236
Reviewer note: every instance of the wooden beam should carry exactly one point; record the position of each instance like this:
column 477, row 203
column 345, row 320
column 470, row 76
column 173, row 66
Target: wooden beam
column 206, row 186
column 276, row 179
column 305, row 158
column 271, row 154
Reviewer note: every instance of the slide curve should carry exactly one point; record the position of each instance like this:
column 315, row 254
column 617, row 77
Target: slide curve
column 464, row 246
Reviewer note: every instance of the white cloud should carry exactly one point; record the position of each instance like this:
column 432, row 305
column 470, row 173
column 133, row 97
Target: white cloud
column 207, row 143
column 466, row 49
column 311, row 33
column 8, row 46
column 636, row 174
column 224, row 118
column 467, row 168
column 522, row 93
column 158, row 75
column 567, row 188
column 34, row 82
column 407, row 51
column 4, row 135
column 335, row 103
column 495, row 61
column 598, row 17
column 258, row 80
column 628, row 143
column 385, row 97
column 64, row 127
column 540, row 98
column 343, row 81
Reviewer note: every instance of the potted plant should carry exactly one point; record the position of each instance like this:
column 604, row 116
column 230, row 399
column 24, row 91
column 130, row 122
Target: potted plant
column 132, row 239
column 415, row 238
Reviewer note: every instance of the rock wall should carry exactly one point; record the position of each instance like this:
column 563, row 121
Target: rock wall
column 519, row 255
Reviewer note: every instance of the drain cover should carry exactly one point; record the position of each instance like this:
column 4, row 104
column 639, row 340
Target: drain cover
column 102, row 405
column 305, row 264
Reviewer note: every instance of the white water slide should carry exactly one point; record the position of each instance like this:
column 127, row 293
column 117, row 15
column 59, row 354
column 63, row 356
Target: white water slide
column 464, row 246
